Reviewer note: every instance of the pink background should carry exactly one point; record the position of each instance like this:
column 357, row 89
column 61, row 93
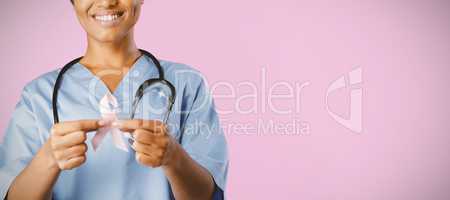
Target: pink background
column 402, row 47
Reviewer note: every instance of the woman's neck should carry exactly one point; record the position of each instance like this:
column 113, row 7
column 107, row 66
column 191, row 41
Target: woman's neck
column 114, row 55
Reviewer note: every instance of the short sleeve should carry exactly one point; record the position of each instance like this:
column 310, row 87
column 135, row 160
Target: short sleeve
column 20, row 143
column 202, row 136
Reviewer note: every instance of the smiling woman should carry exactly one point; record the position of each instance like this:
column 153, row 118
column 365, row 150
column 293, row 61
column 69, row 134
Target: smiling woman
column 107, row 23
column 50, row 158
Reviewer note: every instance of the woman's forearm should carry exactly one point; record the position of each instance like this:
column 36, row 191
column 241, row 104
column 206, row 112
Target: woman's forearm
column 37, row 179
column 188, row 179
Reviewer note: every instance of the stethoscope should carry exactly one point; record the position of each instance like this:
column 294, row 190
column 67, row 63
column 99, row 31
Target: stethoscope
column 139, row 93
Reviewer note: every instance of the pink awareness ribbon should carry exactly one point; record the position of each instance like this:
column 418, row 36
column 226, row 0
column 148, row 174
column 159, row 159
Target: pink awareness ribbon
column 108, row 111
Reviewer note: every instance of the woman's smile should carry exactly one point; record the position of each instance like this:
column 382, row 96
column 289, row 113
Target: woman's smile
column 108, row 21
column 108, row 18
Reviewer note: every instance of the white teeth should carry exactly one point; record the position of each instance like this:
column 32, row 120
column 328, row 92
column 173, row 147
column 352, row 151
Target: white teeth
column 106, row 17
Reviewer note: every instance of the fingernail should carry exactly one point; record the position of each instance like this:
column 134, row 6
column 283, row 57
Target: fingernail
column 102, row 122
column 117, row 123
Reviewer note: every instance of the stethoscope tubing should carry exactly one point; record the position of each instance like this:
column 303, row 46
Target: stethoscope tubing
column 139, row 93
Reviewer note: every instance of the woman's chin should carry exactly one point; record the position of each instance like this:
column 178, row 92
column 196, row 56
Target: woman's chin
column 107, row 37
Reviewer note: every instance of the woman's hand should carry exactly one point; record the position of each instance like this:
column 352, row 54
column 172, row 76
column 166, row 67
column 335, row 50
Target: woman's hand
column 155, row 147
column 67, row 142
column 153, row 144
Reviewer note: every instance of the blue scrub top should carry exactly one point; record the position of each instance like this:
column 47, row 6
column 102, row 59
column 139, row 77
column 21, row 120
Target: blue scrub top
column 111, row 173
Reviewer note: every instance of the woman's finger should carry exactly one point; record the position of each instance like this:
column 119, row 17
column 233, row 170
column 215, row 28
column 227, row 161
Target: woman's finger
column 68, row 140
column 154, row 126
column 152, row 151
column 147, row 160
column 74, row 151
column 68, row 127
column 72, row 163
column 145, row 136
